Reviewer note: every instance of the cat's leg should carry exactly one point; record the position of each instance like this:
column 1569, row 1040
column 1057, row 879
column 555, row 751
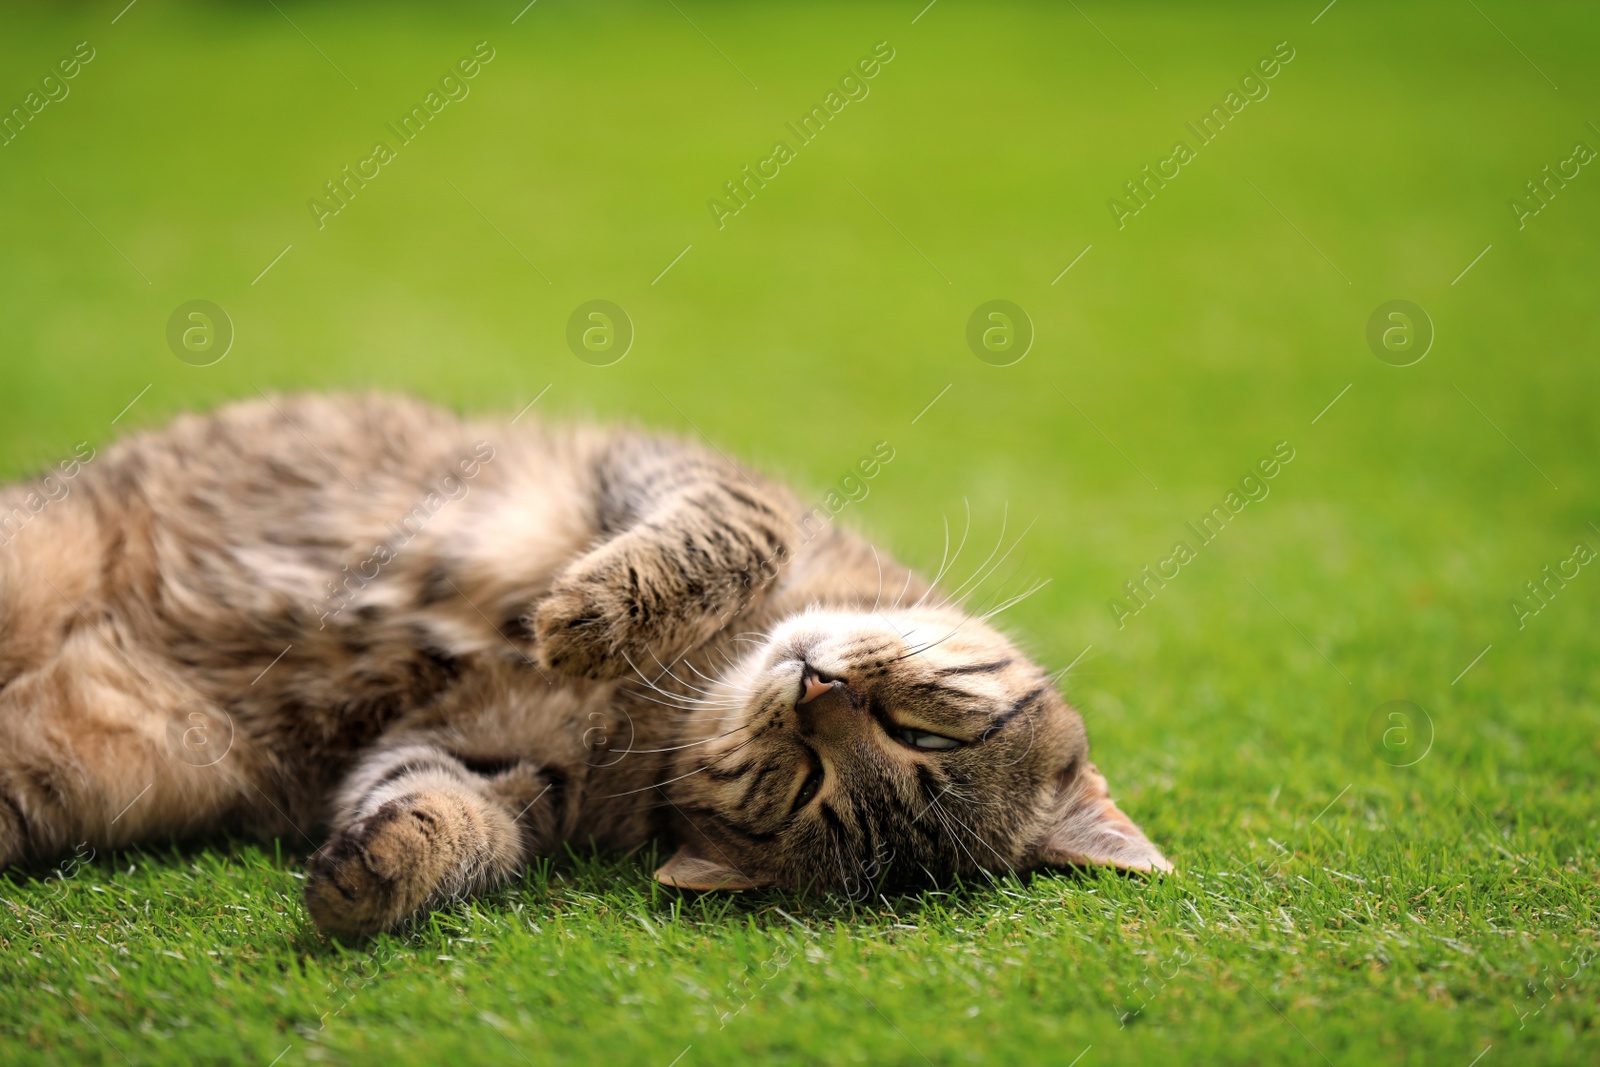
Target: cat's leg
column 415, row 827
column 105, row 746
column 693, row 541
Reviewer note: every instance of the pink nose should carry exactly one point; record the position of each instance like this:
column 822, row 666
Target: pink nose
column 814, row 687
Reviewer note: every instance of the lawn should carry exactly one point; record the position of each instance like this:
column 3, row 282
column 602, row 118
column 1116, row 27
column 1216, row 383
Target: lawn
column 1370, row 749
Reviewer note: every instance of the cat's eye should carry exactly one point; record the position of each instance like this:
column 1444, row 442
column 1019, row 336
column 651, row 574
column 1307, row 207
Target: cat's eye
column 808, row 791
column 924, row 740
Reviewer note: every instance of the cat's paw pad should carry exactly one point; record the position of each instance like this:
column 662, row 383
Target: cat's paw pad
column 378, row 871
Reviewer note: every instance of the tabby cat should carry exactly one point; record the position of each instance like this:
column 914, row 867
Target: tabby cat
column 459, row 645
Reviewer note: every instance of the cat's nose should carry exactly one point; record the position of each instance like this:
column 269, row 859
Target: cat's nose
column 813, row 685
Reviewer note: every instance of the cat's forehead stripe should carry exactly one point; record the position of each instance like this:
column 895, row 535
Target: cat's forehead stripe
column 1016, row 709
column 975, row 668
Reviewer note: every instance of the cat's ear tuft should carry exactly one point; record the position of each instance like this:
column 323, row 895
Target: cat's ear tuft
column 1089, row 830
column 688, row 870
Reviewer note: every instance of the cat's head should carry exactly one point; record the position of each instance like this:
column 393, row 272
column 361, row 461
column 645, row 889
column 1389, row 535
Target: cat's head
column 849, row 749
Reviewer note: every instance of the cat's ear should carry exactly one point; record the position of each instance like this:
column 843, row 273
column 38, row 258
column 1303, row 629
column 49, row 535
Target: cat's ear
column 1089, row 830
column 687, row 869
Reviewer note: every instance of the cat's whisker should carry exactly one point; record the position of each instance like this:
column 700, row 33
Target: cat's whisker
column 692, row 701
column 692, row 711
column 1005, row 517
column 727, row 660
column 722, row 682
column 1014, row 601
column 1002, row 559
column 681, row 777
column 684, row 703
column 997, row 593
column 947, row 788
column 978, row 838
column 730, row 665
column 668, row 669
column 886, row 622
column 940, row 814
column 716, row 681
column 680, row 748
column 731, row 704
column 679, row 696
column 878, row 598
column 651, row 682
column 1002, row 589
column 947, row 561
column 973, row 800
column 947, row 816
column 903, row 589
column 930, row 645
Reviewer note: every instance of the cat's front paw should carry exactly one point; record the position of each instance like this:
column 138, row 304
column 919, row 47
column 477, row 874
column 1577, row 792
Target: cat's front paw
column 641, row 600
column 580, row 631
column 613, row 611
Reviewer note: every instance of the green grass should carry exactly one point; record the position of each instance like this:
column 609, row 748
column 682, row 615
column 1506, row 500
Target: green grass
column 1329, row 906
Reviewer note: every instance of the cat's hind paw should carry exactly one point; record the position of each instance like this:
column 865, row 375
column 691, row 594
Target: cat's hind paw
column 415, row 850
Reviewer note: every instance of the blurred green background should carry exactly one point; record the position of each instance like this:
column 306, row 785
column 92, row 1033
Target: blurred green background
column 1411, row 892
